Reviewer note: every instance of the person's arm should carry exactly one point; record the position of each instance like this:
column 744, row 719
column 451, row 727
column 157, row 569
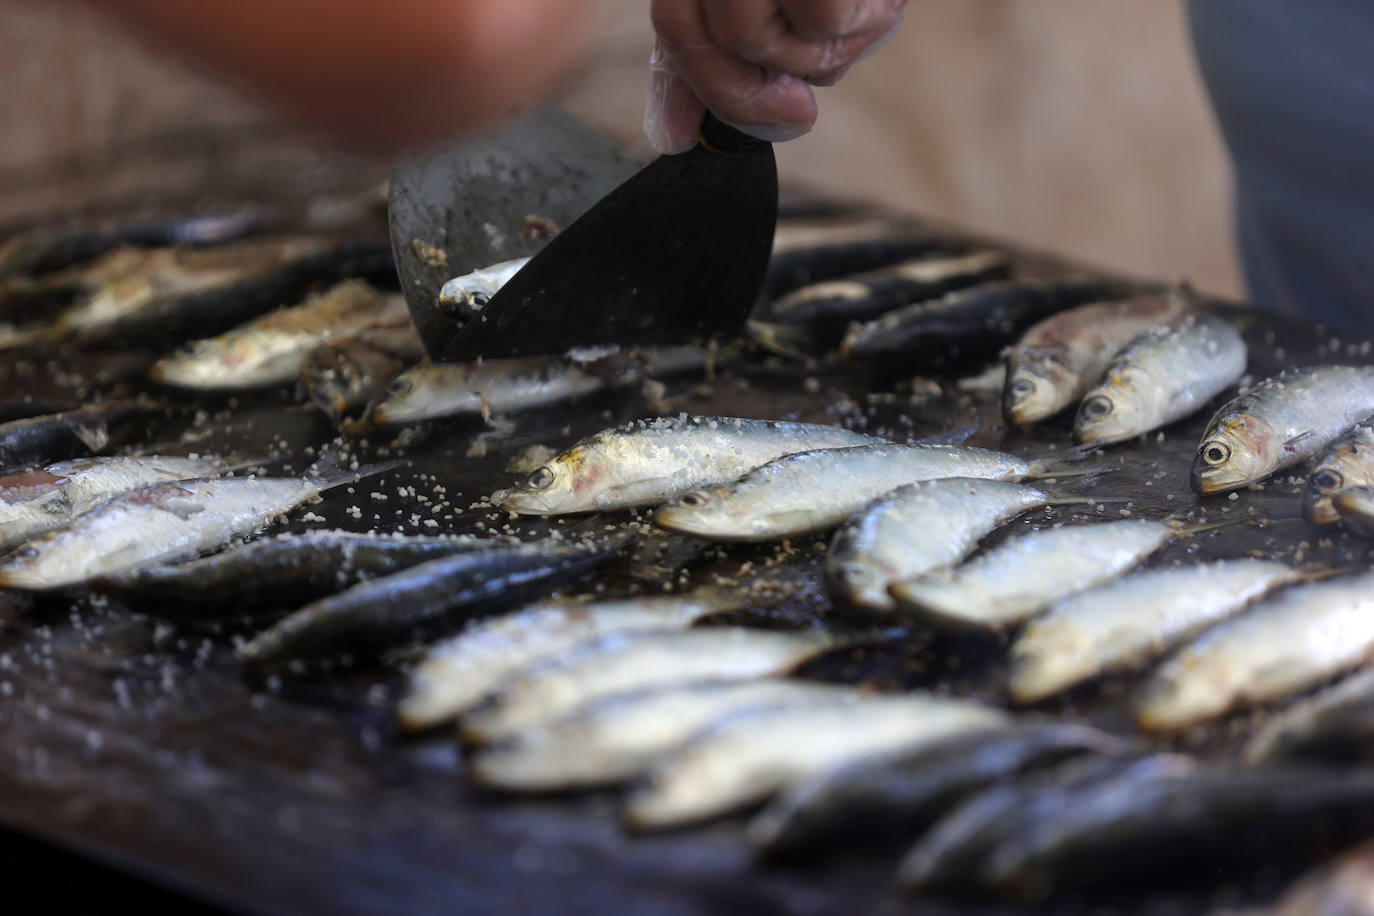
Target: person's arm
column 753, row 62
column 379, row 75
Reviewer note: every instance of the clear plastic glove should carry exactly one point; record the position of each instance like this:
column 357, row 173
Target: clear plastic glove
column 753, row 62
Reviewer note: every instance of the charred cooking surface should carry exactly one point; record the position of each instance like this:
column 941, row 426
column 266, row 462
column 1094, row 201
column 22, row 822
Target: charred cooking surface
column 146, row 745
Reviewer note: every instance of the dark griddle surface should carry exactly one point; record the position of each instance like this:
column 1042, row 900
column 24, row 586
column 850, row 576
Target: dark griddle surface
column 144, row 747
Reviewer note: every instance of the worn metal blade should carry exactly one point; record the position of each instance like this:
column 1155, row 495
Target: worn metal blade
column 461, row 207
column 676, row 252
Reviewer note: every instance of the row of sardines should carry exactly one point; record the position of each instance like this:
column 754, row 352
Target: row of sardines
column 669, row 695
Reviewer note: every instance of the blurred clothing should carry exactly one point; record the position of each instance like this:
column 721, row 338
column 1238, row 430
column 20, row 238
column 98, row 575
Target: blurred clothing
column 1293, row 88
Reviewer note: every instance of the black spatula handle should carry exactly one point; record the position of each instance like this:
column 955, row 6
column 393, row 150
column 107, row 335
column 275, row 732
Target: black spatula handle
column 720, row 137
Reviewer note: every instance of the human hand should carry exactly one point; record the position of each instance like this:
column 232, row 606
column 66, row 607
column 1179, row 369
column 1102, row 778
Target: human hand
column 753, row 62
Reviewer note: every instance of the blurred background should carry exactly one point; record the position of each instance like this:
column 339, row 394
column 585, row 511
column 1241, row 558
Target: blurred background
column 1075, row 127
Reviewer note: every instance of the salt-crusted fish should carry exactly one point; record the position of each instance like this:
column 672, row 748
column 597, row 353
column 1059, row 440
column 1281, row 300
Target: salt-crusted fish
column 815, row 490
column 70, row 434
column 1057, row 360
column 278, row 572
column 425, row 599
column 749, row 757
column 637, row 661
column 917, row 528
column 619, row 738
column 162, row 523
column 37, row 500
column 1337, row 723
column 1127, row 830
column 1024, row 575
column 499, row 386
column 1355, row 507
column 969, row 320
column 272, row 350
column 896, row 795
column 652, row 461
column 1349, row 462
column 1164, row 376
column 1133, row 620
column 465, row 296
column 1290, row 642
column 457, row 673
column 952, row 852
column 1280, row 422
column 864, row 296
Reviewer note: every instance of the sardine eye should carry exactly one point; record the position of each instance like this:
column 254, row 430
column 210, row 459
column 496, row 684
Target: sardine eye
column 1022, row 388
column 695, row 499
column 1096, row 406
column 479, row 300
column 399, row 387
column 1328, row 480
column 540, row 479
column 1215, row 453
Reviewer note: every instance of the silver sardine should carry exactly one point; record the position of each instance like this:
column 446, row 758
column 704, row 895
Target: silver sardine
column 1164, row 376
column 1280, row 422
column 1133, row 620
column 649, row 462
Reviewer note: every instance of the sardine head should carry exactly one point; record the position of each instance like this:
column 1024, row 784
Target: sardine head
column 1108, row 415
column 548, row 490
column 1325, row 482
column 1030, row 396
column 1234, row 451
column 862, row 584
column 702, row 512
column 1355, row 508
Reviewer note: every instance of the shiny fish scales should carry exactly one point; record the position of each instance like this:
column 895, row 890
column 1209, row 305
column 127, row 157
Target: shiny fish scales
column 273, row 349
column 815, row 490
column 379, row 613
column 1280, row 422
column 1349, row 462
column 1164, row 376
column 1133, row 620
column 625, row 662
column 1057, row 360
column 35, row 501
column 619, row 738
column 652, row 461
column 895, row 795
column 158, row 524
column 280, row 571
column 748, row 758
column 915, row 529
column 1022, row 576
column 1286, row 644
column 456, row 674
